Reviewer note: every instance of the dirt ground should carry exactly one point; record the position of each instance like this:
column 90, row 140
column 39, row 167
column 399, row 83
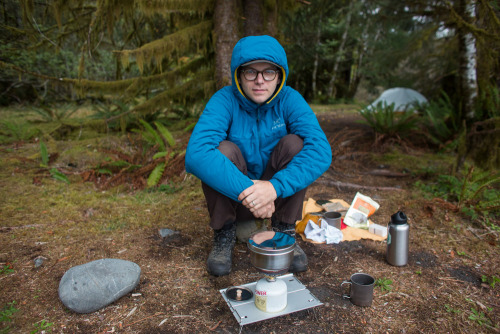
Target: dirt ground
column 441, row 290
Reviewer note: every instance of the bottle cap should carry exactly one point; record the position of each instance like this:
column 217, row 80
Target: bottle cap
column 398, row 218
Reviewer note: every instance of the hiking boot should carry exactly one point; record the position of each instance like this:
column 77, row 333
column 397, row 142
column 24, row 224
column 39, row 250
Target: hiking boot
column 220, row 258
column 299, row 262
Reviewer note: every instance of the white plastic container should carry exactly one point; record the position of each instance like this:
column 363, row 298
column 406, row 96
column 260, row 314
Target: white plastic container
column 378, row 230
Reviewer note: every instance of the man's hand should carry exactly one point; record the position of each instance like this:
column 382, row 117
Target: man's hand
column 264, row 212
column 259, row 198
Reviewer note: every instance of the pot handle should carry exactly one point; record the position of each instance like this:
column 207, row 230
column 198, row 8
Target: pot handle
column 344, row 295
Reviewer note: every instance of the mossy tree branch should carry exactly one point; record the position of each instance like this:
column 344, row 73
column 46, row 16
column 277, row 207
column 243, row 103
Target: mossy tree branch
column 179, row 42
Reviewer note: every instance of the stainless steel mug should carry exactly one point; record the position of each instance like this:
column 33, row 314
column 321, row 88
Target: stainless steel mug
column 333, row 218
column 361, row 289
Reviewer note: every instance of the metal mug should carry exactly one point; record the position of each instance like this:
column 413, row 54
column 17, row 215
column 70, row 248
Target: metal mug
column 361, row 289
column 333, row 218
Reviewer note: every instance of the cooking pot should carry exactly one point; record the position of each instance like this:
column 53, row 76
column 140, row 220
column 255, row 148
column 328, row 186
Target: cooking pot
column 271, row 252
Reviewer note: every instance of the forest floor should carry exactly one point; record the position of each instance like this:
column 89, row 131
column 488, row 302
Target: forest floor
column 446, row 287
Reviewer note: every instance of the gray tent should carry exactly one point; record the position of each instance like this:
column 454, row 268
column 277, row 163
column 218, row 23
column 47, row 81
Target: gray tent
column 402, row 98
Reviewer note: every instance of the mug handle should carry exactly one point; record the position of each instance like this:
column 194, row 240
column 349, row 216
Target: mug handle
column 345, row 296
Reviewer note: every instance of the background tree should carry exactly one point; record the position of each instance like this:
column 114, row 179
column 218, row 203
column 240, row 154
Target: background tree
column 176, row 53
column 169, row 56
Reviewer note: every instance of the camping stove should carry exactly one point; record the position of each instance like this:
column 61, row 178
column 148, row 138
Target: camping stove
column 271, row 253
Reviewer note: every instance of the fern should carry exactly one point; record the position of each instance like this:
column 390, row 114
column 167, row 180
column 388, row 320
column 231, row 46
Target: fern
column 156, row 175
column 165, row 133
column 154, row 138
column 57, row 175
column 44, row 154
column 385, row 120
column 160, row 155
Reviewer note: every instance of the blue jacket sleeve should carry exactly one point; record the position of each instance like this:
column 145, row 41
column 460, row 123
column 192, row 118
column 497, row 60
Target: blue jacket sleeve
column 204, row 160
column 315, row 157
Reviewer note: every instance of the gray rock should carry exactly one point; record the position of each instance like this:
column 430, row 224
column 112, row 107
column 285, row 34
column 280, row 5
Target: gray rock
column 166, row 232
column 91, row 286
column 39, row 261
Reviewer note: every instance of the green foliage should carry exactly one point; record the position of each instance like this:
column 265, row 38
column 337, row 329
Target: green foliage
column 384, row 120
column 480, row 318
column 156, row 174
column 116, row 113
column 490, row 280
column 490, row 103
column 450, row 309
column 53, row 113
column 44, row 155
column 15, row 131
column 54, row 172
column 57, row 175
column 152, row 137
column 161, row 138
column 114, row 225
column 165, row 134
column 169, row 188
column 6, row 314
column 6, row 269
column 441, row 119
column 384, row 284
column 42, row 326
column 476, row 193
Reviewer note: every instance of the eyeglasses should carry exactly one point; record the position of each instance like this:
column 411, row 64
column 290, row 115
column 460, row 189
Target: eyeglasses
column 251, row 74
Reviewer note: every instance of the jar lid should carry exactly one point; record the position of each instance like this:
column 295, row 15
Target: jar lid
column 239, row 293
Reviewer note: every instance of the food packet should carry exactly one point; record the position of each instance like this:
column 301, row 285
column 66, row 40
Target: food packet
column 361, row 208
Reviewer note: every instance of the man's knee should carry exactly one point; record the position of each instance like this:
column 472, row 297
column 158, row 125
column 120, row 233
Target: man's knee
column 233, row 153
column 229, row 149
column 292, row 144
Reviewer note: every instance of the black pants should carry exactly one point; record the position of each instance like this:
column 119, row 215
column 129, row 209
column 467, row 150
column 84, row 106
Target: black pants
column 224, row 210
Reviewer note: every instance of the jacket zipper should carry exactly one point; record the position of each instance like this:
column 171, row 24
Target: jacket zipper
column 258, row 129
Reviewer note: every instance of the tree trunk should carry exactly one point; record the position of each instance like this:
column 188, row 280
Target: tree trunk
column 254, row 18
column 261, row 17
column 467, row 59
column 272, row 18
column 340, row 52
column 225, row 37
column 471, row 63
column 316, row 59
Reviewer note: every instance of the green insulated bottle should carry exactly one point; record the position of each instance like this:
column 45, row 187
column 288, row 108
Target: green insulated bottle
column 397, row 239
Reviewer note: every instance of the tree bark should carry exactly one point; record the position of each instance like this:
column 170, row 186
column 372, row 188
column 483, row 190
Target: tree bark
column 316, row 59
column 340, row 52
column 467, row 59
column 272, row 18
column 225, row 37
column 254, row 18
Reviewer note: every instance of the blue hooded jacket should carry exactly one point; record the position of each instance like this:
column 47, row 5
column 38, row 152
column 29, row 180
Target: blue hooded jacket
column 256, row 130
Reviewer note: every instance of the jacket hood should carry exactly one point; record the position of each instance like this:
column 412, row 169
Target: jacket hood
column 253, row 48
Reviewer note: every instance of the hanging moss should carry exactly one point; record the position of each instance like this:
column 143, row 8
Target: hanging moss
column 166, row 7
column 28, row 8
column 191, row 89
column 133, row 85
column 178, row 42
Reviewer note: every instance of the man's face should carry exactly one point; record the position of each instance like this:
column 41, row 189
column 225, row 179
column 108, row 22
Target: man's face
column 259, row 90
